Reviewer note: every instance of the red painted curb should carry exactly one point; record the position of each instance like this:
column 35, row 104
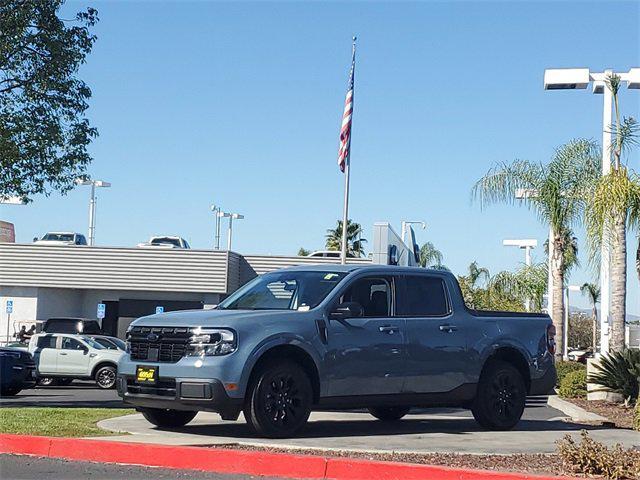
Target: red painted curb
column 248, row 462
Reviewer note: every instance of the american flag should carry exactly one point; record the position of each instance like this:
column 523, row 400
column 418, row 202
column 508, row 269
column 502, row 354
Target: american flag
column 345, row 129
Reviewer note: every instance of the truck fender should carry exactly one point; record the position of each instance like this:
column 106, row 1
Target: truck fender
column 270, row 343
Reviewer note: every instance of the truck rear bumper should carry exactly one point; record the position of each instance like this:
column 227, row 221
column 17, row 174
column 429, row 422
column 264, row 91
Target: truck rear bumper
column 544, row 384
column 192, row 394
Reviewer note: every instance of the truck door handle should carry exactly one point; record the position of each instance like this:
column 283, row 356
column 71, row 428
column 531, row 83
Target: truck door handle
column 448, row 328
column 390, row 329
column 62, row 353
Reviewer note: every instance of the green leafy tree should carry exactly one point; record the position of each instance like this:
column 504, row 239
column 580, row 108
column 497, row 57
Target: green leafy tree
column 613, row 207
column 592, row 292
column 430, row 256
column 556, row 192
column 355, row 242
column 527, row 283
column 303, row 252
column 43, row 130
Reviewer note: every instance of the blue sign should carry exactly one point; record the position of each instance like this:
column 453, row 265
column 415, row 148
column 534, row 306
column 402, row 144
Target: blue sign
column 9, row 306
column 159, row 309
column 101, row 310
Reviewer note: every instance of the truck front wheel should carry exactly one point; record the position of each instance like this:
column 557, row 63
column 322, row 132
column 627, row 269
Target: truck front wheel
column 279, row 400
column 500, row 398
column 167, row 418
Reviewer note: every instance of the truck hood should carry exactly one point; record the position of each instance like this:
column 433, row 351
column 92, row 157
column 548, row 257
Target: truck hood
column 210, row 318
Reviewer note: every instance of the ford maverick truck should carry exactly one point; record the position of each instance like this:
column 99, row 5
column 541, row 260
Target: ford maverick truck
column 382, row 338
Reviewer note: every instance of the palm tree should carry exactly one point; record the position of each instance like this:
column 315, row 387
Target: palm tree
column 355, row 242
column 430, row 256
column 614, row 206
column 476, row 273
column 592, row 291
column 556, row 192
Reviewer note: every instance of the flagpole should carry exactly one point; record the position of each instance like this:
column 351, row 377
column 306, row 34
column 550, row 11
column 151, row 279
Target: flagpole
column 345, row 215
column 347, row 169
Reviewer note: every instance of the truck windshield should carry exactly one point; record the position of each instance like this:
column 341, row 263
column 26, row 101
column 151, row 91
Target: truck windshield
column 284, row 291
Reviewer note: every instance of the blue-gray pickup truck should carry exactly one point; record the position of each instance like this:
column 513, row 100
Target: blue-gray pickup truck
column 381, row 338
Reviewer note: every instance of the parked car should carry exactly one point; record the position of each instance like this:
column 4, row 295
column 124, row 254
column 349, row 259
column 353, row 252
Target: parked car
column 165, row 242
column 17, row 371
column 111, row 343
column 65, row 357
column 61, row 238
column 337, row 337
column 580, row 355
column 71, row 325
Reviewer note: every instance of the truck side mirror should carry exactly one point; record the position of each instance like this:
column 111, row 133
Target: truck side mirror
column 347, row 310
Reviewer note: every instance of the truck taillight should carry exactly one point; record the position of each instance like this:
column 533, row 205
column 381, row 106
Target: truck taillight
column 551, row 339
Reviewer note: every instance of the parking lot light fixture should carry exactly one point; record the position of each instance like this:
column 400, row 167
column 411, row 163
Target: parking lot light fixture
column 568, row 288
column 92, row 204
column 216, row 209
column 579, row 78
column 11, row 200
column 527, row 245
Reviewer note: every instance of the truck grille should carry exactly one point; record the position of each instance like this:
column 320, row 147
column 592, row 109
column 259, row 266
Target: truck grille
column 158, row 344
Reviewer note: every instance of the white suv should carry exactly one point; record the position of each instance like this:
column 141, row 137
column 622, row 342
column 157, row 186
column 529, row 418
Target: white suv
column 67, row 357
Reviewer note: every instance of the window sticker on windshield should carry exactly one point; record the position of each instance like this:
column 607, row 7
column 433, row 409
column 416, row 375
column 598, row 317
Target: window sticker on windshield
column 330, row 276
column 303, row 308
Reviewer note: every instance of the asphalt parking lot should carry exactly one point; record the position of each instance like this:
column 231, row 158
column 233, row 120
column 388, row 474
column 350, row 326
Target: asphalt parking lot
column 427, row 430
column 18, row 467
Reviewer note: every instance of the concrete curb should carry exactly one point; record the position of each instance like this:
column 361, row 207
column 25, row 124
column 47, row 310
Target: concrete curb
column 228, row 461
column 576, row 413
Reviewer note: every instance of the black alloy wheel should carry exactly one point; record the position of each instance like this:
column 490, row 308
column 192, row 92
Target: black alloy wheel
column 501, row 397
column 279, row 400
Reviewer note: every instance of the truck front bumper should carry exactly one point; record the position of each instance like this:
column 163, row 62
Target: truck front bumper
column 192, row 394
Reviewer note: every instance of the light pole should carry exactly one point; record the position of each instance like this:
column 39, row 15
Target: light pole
column 565, row 344
column 231, row 216
column 579, row 78
column 527, row 245
column 92, row 205
column 216, row 211
column 405, row 224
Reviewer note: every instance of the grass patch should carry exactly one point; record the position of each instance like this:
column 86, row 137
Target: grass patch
column 57, row 422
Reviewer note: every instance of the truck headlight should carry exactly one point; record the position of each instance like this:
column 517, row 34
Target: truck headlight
column 206, row 342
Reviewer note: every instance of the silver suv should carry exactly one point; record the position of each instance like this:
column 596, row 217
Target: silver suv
column 65, row 357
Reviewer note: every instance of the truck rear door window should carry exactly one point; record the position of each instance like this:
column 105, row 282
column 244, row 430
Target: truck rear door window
column 47, row 342
column 423, row 297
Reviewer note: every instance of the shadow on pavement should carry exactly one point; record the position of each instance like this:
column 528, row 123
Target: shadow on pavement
column 366, row 427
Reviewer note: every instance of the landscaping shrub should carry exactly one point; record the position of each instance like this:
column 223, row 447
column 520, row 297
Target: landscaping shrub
column 619, row 372
column 636, row 416
column 593, row 458
column 574, row 385
column 565, row 367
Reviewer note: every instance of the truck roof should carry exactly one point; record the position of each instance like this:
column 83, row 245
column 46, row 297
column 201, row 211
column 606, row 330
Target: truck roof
column 373, row 267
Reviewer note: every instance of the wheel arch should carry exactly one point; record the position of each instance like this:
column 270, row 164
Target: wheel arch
column 102, row 363
column 514, row 356
column 292, row 352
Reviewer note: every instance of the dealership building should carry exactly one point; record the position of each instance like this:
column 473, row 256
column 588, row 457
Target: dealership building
column 42, row 282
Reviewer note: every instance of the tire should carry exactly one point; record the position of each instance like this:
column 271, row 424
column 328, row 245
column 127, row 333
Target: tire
column 389, row 414
column 500, row 398
column 10, row 391
column 278, row 401
column 46, row 381
column 105, row 377
column 167, row 418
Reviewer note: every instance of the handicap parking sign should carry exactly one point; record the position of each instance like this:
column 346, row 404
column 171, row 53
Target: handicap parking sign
column 101, row 310
column 159, row 309
column 9, row 306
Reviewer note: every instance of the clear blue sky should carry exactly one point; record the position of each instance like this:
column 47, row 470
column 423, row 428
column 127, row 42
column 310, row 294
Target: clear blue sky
column 240, row 103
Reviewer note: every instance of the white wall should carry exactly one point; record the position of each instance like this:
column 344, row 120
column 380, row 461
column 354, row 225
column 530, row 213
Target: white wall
column 25, row 304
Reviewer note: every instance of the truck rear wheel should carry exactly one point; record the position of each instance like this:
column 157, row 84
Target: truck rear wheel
column 389, row 414
column 167, row 418
column 500, row 398
column 279, row 400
